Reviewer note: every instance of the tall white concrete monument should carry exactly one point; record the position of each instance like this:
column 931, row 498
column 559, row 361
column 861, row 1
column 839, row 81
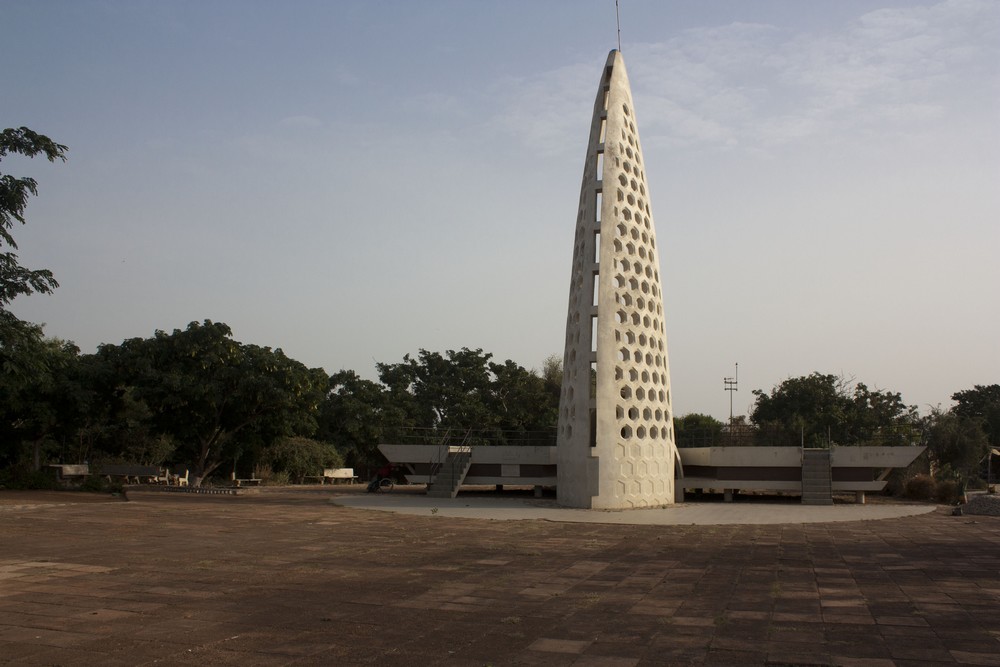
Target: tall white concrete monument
column 615, row 447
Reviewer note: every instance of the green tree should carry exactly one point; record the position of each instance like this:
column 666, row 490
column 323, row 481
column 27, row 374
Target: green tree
column 879, row 417
column 982, row 402
column 820, row 409
column 36, row 410
column 17, row 280
column 697, row 430
column 956, row 442
column 552, row 376
column 301, row 457
column 810, row 408
column 522, row 404
column 14, row 192
column 462, row 391
column 215, row 396
column 355, row 415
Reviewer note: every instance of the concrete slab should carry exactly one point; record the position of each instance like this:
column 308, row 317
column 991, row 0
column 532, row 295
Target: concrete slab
column 698, row 514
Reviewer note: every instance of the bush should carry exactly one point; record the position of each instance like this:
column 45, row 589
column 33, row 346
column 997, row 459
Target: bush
column 920, row 487
column 24, row 478
column 947, row 492
column 299, row 457
column 94, row 484
column 276, row 479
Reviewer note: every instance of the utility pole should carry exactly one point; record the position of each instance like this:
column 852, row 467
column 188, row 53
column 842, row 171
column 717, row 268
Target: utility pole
column 731, row 385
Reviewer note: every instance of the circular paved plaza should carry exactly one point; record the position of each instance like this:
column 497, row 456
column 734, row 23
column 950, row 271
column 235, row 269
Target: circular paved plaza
column 298, row 577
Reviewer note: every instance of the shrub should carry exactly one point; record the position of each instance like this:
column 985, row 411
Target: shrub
column 94, row 484
column 920, row 487
column 24, row 478
column 947, row 491
column 299, row 457
column 269, row 477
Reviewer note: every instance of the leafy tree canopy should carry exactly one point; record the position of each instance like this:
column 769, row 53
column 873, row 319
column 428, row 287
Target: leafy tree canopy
column 216, row 396
column 20, row 342
column 982, row 402
column 822, row 408
column 14, row 192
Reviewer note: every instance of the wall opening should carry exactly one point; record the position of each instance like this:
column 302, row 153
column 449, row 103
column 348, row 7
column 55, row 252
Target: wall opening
column 593, row 332
column 597, row 247
column 600, row 166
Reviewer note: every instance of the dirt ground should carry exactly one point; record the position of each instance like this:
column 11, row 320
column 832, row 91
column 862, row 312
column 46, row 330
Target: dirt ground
column 287, row 577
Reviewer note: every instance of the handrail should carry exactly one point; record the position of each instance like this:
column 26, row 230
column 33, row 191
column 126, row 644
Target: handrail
column 419, row 435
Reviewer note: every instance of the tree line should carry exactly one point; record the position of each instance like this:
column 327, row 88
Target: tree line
column 198, row 398
column 824, row 410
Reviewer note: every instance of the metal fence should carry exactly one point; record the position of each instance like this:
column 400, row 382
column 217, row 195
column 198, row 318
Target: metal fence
column 413, row 435
column 773, row 436
column 741, row 435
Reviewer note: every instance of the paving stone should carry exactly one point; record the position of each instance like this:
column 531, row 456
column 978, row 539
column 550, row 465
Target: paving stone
column 284, row 577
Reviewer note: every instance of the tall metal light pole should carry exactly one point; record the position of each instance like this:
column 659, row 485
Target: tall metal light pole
column 731, row 385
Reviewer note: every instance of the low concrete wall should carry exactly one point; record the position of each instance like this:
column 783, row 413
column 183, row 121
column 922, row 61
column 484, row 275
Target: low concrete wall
column 750, row 468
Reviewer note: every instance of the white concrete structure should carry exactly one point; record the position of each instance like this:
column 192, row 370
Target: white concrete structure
column 615, row 444
column 729, row 470
column 515, row 466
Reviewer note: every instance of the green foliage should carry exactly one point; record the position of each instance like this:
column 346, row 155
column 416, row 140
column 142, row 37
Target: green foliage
column 355, row 414
column 947, row 491
column 920, row 487
column 956, row 442
column 269, row 477
column 23, row 477
column 15, row 279
column 440, row 394
column 216, row 397
column 100, row 484
column 34, row 405
column 982, row 403
column 697, row 430
column 27, row 361
column 299, row 457
column 820, row 409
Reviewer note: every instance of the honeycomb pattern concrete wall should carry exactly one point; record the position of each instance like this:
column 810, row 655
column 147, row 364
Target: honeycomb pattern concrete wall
column 616, row 442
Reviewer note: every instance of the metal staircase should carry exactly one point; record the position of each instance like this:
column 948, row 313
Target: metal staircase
column 451, row 474
column 817, row 482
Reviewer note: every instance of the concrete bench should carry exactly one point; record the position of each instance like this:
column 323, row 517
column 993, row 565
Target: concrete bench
column 71, row 472
column 339, row 475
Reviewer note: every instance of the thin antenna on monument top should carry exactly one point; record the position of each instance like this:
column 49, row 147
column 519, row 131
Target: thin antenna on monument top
column 618, row 20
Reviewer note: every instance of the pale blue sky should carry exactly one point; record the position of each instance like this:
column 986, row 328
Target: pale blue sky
column 352, row 181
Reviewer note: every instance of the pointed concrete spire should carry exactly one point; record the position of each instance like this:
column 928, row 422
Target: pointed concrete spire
column 616, row 438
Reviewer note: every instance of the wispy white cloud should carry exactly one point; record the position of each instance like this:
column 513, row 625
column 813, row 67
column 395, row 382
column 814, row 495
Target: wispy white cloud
column 760, row 86
column 545, row 111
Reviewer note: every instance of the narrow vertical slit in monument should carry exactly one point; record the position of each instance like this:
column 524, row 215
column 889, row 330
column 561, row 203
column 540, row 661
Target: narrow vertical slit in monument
column 593, row 331
column 597, row 206
column 597, row 247
column 606, row 94
column 600, row 166
column 593, row 426
column 604, row 131
column 597, row 283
